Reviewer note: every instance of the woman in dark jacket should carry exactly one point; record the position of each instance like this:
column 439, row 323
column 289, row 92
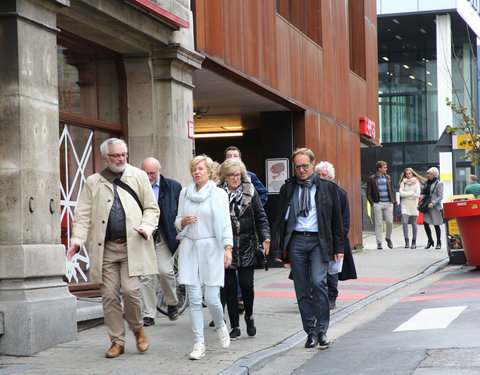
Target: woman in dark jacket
column 249, row 226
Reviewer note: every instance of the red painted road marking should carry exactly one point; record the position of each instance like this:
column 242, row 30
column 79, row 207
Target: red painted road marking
column 465, row 281
column 441, row 296
column 345, row 296
column 360, row 287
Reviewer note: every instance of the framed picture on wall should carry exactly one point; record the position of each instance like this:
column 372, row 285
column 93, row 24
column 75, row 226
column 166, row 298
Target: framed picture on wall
column 277, row 172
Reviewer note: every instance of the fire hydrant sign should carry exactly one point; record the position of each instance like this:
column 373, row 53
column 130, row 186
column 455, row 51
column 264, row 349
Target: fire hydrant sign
column 277, row 173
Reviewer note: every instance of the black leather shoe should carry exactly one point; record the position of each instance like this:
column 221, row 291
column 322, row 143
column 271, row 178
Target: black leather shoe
column 407, row 243
column 414, row 244
column 172, row 312
column 389, row 243
column 311, row 341
column 323, row 341
column 439, row 245
column 147, row 322
column 379, row 246
column 429, row 245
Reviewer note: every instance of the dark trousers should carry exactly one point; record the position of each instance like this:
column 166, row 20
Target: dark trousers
column 332, row 284
column 245, row 281
column 438, row 232
column 309, row 272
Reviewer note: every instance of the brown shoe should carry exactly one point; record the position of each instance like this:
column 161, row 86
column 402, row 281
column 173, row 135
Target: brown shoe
column 114, row 351
column 142, row 341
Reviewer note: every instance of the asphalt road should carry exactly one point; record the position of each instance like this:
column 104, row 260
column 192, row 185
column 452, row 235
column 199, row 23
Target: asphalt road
column 430, row 327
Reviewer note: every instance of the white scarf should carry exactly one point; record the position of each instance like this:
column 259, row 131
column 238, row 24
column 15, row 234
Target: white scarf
column 220, row 216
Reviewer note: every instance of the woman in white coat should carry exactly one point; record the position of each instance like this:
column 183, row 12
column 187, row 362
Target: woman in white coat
column 409, row 193
column 205, row 249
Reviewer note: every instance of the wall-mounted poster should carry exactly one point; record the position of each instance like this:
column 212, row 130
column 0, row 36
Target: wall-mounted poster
column 277, row 173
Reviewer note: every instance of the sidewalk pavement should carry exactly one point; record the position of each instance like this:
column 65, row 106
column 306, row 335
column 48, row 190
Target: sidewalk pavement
column 278, row 322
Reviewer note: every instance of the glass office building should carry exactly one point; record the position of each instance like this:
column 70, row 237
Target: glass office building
column 412, row 93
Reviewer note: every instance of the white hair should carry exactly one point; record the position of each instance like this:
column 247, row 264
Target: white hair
column 328, row 166
column 433, row 171
column 111, row 142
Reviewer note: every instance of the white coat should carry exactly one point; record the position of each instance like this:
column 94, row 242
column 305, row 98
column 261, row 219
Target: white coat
column 409, row 193
column 91, row 219
column 202, row 245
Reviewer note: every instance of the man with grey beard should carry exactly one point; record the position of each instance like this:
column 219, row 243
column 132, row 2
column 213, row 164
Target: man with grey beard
column 117, row 213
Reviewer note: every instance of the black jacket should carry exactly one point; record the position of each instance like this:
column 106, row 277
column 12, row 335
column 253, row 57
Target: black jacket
column 168, row 203
column 329, row 217
column 348, row 269
column 249, row 228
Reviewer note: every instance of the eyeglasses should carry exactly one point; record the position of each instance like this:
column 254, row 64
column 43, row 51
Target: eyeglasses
column 302, row 166
column 236, row 175
column 118, row 156
column 152, row 173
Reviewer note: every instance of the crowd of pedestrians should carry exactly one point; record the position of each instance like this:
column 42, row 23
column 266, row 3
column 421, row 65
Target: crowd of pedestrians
column 138, row 222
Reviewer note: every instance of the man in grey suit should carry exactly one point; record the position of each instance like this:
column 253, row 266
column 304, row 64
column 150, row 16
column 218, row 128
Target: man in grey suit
column 309, row 229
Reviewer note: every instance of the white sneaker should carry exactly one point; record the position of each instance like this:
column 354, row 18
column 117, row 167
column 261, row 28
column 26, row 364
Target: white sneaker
column 223, row 336
column 198, row 351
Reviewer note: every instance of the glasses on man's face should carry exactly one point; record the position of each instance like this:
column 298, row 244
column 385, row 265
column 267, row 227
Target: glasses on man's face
column 152, row 173
column 302, row 166
column 234, row 175
column 118, row 156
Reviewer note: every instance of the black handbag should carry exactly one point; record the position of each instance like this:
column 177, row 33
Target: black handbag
column 423, row 204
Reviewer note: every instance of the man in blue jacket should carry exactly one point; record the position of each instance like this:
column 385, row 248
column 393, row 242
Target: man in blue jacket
column 166, row 192
column 233, row 152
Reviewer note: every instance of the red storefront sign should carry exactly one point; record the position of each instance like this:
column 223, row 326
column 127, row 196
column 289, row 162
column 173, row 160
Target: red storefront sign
column 367, row 127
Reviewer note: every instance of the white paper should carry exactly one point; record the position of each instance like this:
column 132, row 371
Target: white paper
column 334, row 267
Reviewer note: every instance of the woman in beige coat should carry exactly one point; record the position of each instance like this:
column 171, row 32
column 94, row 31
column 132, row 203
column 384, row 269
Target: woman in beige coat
column 409, row 193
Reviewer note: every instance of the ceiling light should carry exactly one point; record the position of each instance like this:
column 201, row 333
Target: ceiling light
column 218, row 135
column 232, row 128
column 423, row 31
column 428, row 72
column 385, row 58
column 406, row 66
column 429, row 83
column 411, row 77
column 396, row 21
column 398, row 37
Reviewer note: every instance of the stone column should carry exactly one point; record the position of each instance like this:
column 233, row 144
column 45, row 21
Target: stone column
column 38, row 309
column 444, row 90
column 160, row 129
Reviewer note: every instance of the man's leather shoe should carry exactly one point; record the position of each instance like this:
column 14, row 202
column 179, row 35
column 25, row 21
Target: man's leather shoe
column 389, row 243
column 142, row 341
column 323, row 341
column 332, row 304
column 379, row 246
column 147, row 322
column 172, row 312
column 311, row 341
column 114, row 351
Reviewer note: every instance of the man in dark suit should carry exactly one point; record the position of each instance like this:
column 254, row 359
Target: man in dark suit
column 309, row 227
column 324, row 169
column 166, row 192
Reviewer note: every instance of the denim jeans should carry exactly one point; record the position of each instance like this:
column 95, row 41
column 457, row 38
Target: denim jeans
column 309, row 272
column 212, row 300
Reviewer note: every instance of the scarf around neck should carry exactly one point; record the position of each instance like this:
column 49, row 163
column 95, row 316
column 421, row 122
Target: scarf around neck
column 410, row 181
column 304, row 204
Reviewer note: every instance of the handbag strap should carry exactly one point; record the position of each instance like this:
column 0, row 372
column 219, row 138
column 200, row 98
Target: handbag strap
column 124, row 186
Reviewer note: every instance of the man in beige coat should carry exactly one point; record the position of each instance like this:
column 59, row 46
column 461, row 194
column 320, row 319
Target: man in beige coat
column 119, row 229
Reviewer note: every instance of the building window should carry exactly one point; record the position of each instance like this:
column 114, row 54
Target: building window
column 91, row 97
column 305, row 15
column 356, row 30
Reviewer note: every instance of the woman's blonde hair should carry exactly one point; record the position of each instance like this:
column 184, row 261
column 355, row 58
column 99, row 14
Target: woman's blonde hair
column 230, row 166
column 414, row 174
column 208, row 163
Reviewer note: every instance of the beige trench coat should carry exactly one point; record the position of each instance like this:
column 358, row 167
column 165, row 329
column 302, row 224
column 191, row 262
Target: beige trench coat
column 91, row 219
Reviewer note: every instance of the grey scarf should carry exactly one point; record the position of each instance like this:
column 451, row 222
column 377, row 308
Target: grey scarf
column 304, row 204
